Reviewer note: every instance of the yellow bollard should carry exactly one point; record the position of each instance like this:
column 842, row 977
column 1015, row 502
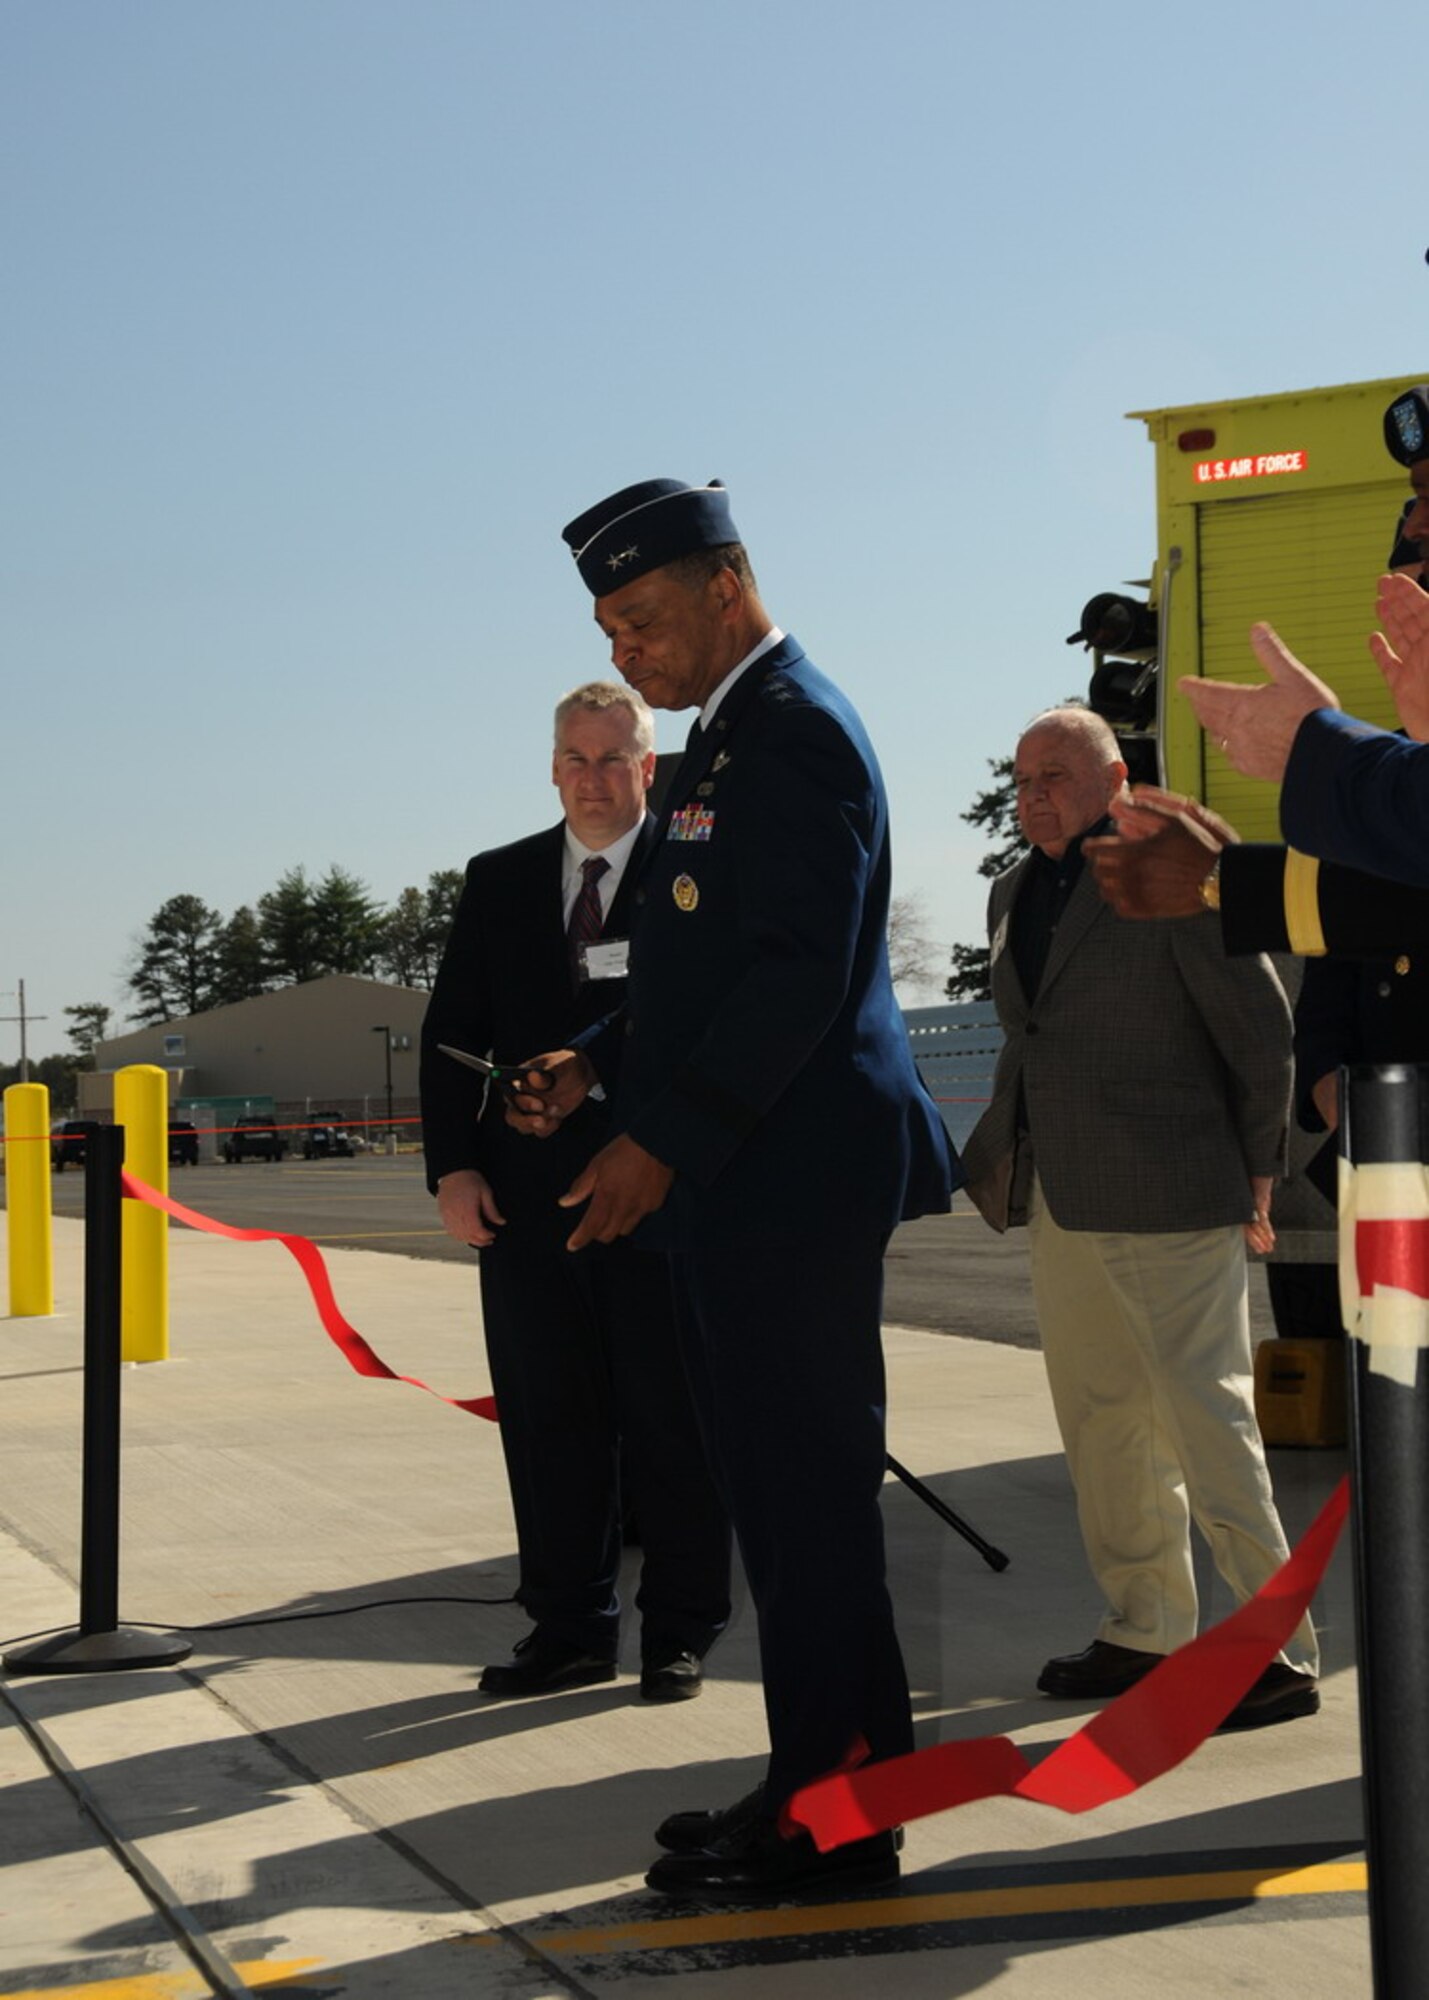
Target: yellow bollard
column 141, row 1106
column 27, row 1197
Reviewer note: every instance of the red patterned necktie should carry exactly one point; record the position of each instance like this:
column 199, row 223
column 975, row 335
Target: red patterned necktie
column 587, row 917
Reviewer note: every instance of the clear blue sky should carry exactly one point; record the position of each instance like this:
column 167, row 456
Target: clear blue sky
column 322, row 318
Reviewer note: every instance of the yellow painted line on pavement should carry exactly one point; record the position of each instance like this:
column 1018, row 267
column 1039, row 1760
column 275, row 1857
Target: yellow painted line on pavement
column 183, row 1985
column 1235, row 1885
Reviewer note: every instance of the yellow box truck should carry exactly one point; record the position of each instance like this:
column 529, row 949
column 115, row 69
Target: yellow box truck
column 1277, row 507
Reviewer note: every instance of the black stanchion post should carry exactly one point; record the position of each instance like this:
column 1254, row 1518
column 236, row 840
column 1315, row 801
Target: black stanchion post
column 103, row 1281
column 1384, row 1133
column 100, row 1644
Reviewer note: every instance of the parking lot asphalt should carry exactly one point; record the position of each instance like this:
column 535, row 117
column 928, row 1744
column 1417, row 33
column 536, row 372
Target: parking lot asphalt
column 945, row 1274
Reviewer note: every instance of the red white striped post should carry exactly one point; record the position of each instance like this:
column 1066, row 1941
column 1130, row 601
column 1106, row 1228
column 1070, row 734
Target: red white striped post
column 1384, row 1268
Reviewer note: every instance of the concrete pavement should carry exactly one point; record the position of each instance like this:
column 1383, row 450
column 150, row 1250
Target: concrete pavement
column 329, row 1807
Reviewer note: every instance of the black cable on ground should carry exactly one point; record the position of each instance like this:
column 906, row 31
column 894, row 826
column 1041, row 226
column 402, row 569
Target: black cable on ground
column 276, row 1618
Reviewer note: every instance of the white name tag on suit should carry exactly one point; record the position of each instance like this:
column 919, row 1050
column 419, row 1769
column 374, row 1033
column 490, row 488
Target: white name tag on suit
column 605, row 958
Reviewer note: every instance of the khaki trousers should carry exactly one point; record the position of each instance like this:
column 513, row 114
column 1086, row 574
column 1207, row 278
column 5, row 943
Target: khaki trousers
column 1147, row 1345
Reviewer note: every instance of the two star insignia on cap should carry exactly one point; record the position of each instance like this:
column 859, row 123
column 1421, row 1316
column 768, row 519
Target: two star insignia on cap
column 622, row 556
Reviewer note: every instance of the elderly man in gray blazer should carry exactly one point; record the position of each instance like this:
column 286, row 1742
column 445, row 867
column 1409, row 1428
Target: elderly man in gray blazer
column 1137, row 1124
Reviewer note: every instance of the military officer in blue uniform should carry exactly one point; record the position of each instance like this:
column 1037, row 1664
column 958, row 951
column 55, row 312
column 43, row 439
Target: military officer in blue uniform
column 770, row 1132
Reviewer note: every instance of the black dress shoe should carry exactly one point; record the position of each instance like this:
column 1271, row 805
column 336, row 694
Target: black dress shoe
column 542, row 1665
column 758, row 1865
column 689, row 1832
column 1103, row 1669
column 676, row 1678
column 1279, row 1695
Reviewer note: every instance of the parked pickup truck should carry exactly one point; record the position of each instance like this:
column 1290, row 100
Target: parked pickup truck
column 183, row 1143
column 67, row 1144
column 327, row 1138
column 254, row 1137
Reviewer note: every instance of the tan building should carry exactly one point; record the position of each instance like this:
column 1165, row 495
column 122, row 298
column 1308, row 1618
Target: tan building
column 309, row 1048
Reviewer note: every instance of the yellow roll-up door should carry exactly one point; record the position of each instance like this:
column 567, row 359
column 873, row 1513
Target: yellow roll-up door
column 1307, row 563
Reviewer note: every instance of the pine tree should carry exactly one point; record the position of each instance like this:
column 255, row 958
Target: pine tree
column 91, row 1021
column 173, row 975
column 347, row 923
column 414, row 930
column 402, row 954
column 241, row 969
column 285, row 922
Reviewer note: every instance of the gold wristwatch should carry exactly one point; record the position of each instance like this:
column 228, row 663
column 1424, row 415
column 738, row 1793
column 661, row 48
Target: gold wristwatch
column 1209, row 887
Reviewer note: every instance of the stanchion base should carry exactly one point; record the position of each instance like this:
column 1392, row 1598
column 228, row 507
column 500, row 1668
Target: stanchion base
column 76, row 1652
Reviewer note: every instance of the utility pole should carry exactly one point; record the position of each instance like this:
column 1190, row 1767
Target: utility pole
column 23, row 1018
column 386, row 1033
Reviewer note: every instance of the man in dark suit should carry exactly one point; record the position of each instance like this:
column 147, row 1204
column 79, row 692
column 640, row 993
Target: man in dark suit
column 1137, row 1121
column 593, row 1401
column 771, row 1130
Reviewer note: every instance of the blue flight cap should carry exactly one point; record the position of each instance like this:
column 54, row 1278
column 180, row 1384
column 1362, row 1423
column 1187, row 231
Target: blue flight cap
column 642, row 527
column 1406, row 426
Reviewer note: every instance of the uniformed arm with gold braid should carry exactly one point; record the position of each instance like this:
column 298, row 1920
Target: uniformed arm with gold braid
column 1277, row 899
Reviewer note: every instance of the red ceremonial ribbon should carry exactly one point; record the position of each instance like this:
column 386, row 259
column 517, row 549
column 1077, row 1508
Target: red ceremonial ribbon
column 1143, row 1734
column 344, row 1336
column 1146, row 1732
column 1392, row 1252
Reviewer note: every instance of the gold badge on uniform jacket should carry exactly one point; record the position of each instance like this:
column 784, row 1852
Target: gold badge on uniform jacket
column 686, row 892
